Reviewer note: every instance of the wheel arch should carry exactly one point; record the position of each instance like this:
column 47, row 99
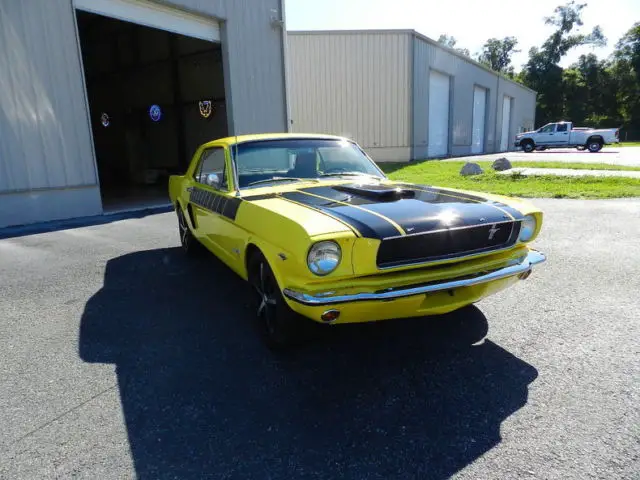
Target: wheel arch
column 595, row 138
column 255, row 247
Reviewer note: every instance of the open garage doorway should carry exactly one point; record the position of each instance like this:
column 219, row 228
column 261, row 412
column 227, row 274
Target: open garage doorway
column 154, row 96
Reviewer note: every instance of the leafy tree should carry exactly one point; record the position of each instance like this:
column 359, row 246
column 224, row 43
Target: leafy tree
column 497, row 53
column 542, row 72
column 625, row 71
column 450, row 41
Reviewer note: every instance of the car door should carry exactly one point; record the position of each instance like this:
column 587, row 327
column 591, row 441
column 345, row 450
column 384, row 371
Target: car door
column 561, row 136
column 209, row 195
column 546, row 135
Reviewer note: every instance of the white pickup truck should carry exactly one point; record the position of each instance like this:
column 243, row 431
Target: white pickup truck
column 565, row 135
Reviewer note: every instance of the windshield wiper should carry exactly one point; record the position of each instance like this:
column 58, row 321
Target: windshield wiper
column 282, row 179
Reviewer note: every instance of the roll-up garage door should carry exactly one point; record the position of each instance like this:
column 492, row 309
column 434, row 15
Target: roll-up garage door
column 506, row 123
column 479, row 108
column 438, row 114
column 154, row 15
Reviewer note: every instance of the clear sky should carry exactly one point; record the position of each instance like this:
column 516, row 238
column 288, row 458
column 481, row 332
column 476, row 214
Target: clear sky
column 471, row 22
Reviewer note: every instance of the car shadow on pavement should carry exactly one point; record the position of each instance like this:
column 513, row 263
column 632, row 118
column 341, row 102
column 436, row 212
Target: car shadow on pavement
column 203, row 398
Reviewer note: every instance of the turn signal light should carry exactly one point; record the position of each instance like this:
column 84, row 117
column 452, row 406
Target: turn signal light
column 330, row 316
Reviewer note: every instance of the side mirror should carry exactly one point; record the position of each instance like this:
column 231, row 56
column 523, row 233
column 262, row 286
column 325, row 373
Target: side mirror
column 213, row 180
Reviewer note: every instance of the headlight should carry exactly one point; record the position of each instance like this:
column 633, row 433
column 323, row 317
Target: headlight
column 528, row 228
column 324, row 257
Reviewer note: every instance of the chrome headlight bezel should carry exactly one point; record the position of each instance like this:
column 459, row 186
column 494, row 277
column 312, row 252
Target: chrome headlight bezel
column 528, row 228
column 324, row 257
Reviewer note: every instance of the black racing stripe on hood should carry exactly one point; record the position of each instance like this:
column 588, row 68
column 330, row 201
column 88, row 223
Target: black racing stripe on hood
column 424, row 210
column 516, row 214
column 366, row 223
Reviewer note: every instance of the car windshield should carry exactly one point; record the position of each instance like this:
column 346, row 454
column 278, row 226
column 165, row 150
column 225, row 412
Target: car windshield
column 290, row 160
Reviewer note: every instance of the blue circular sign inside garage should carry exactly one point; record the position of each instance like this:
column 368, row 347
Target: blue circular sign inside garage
column 155, row 112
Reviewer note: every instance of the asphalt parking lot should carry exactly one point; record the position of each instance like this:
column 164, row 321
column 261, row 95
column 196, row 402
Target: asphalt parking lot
column 119, row 358
column 624, row 156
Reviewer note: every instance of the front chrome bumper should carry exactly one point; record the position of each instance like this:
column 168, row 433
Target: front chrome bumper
column 517, row 266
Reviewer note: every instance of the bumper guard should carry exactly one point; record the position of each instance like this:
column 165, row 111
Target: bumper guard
column 515, row 267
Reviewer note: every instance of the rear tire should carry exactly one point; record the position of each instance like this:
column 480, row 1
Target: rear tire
column 279, row 326
column 594, row 146
column 528, row 147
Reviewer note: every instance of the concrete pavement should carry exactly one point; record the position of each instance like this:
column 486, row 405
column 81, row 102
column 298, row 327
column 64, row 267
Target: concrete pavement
column 627, row 156
column 569, row 172
column 120, row 358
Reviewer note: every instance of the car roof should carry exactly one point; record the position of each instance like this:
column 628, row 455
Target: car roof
column 228, row 141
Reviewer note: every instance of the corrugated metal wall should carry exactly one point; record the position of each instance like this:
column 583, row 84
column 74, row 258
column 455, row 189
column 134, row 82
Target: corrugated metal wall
column 255, row 60
column 374, row 87
column 44, row 131
column 45, row 139
column 523, row 110
column 464, row 76
column 357, row 85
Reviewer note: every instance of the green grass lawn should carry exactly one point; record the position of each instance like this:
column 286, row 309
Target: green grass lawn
column 447, row 174
column 628, row 144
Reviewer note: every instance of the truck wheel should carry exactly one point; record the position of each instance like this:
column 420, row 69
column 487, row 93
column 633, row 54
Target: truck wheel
column 595, row 146
column 528, row 147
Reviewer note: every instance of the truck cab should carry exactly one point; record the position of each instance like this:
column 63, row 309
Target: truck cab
column 565, row 135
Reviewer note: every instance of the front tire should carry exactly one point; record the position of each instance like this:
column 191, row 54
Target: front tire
column 279, row 326
column 528, row 147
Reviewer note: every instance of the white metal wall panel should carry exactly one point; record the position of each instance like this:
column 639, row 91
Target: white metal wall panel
column 357, row 85
column 438, row 114
column 479, row 115
column 522, row 107
column 506, row 123
column 45, row 140
column 466, row 75
column 153, row 15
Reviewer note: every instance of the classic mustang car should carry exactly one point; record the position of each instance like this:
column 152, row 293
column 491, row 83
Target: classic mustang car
column 319, row 231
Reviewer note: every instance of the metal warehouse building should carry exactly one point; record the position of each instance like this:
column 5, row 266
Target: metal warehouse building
column 401, row 95
column 101, row 100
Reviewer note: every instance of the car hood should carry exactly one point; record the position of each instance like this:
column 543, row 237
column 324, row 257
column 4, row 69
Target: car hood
column 385, row 210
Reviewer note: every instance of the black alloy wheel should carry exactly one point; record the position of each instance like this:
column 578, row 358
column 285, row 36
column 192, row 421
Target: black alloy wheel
column 279, row 326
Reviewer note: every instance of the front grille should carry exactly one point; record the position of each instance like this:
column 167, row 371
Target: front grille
column 446, row 244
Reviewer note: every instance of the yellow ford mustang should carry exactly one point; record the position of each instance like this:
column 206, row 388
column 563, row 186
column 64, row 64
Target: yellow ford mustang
column 320, row 232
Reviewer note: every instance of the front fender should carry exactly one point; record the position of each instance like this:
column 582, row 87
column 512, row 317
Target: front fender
column 285, row 244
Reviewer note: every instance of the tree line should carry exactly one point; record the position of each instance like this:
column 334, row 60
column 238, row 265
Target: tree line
column 595, row 92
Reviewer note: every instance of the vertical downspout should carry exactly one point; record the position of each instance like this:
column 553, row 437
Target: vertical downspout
column 496, row 139
column 412, row 90
column 285, row 67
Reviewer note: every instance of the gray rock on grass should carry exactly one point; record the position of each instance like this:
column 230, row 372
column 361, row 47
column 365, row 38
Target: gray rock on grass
column 471, row 168
column 501, row 164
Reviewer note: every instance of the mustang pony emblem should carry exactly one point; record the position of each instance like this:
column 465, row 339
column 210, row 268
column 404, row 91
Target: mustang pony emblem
column 205, row 108
column 492, row 231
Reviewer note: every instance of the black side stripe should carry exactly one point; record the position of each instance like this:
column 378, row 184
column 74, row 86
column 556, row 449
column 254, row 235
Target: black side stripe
column 221, row 204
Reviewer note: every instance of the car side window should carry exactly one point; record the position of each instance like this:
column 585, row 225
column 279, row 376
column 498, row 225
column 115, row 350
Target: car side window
column 548, row 128
column 212, row 161
column 562, row 127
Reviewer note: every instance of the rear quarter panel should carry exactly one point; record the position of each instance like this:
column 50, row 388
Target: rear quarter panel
column 176, row 188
